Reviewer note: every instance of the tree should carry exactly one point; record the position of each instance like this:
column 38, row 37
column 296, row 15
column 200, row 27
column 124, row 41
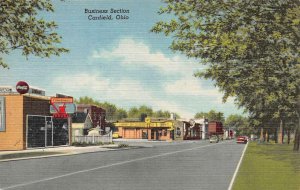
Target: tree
column 143, row 110
column 251, row 49
column 112, row 111
column 200, row 115
column 20, row 28
column 162, row 114
column 212, row 115
column 121, row 113
column 135, row 112
column 239, row 124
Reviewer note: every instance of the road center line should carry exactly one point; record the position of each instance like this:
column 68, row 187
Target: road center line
column 106, row 166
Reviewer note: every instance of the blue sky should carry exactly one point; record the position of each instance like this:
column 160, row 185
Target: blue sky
column 119, row 61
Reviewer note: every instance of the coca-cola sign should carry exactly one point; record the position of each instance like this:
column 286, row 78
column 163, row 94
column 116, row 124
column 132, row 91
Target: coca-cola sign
column 22, row 87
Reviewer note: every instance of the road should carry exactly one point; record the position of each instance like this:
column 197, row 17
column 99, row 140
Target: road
column 180, row 165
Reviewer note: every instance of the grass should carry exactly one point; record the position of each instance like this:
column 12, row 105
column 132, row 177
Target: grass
column 269, row 166
column 27, row 154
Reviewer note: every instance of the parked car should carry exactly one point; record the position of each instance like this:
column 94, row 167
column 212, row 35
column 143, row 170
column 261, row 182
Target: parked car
column 214, row 139
column 242, row 139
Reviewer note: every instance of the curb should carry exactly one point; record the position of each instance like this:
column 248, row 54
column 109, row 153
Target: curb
column 70, row 153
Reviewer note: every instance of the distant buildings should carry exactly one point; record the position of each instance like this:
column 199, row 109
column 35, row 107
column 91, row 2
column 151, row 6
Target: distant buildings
column 161, row 129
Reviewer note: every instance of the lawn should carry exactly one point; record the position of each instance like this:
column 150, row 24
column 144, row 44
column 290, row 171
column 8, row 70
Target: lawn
column 269, row 166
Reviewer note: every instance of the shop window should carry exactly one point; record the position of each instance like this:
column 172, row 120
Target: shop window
column 165, row 133
column 2, row 113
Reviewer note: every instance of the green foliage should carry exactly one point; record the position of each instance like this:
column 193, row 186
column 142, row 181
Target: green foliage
column 201, row 115
column 84, row 144
column 21, row 28
column 162, row 114
column 251, row 49
column 239, row 123
column 114, row 113
column 212, row 115
column 122, row 145
column 135, row 112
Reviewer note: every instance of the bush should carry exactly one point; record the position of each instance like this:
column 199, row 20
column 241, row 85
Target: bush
column 122, row 145
column 83, row 144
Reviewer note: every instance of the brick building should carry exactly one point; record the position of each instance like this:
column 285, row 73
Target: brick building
column 26, row 122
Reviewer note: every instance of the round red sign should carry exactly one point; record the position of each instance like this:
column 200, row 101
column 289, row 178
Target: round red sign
column 22, row 87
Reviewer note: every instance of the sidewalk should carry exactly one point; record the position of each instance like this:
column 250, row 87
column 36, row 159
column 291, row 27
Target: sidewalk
column 52, row 151
column 71, row 150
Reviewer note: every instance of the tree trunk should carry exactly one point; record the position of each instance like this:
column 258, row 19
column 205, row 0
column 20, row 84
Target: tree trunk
column 267, row 135
column 288, row 136
column 280, row 133
column 261, row 134
column 297, row 140
column 297, row 136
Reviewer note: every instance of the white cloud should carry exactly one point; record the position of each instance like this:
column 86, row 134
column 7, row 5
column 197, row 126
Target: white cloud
column 191, row 87
column 125, row 90
column 81, row 82
column 131, row 52
column 175, row 83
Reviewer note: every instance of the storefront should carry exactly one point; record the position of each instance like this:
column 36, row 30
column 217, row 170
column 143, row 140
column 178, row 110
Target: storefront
column 160, row 130
column 26, row 122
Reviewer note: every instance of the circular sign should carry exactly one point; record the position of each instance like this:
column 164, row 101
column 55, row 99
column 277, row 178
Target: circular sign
column 22, row 87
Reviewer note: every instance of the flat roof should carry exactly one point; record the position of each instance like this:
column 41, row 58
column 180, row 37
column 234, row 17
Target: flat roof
column 26, row 95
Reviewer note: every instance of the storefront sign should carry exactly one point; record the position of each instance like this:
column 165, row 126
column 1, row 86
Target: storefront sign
column 36, row 91
column 5, row 89
column 61, row 100
column 22, row 87
column 2, row 113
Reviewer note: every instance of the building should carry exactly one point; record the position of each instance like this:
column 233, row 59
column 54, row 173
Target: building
column 81, row 124
column 96, row 114
column 151, row 129
column 26, row 122
column 215, row 128
column 191, row 130
column 86, row 118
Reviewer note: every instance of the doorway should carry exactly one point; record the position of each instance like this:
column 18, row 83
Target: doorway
column 45, row 131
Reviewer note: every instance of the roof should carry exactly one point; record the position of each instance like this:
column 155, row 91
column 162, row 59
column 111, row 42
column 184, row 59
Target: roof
column 26, row 95
column 79, row 117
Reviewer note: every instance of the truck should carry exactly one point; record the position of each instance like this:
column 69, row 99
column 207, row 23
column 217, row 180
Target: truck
column 215, row 128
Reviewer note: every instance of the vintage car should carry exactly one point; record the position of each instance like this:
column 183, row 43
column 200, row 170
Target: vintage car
column 242, row 139
column 214, row 139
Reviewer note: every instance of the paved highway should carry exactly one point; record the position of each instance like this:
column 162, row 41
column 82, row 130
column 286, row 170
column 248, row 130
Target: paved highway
column 180, row 165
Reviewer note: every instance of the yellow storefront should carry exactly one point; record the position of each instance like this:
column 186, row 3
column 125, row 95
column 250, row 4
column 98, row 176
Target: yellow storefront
column 150, row 129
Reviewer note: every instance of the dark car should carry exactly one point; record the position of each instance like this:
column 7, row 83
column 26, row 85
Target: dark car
column 242, row 139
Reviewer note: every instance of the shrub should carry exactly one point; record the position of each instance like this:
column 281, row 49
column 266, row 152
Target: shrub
column 122, row 145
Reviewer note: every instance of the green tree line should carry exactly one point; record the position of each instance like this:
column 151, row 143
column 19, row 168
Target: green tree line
column 114, row 113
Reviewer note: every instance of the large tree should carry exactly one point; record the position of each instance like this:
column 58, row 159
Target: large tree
column 21, row 28
column 251, row 48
